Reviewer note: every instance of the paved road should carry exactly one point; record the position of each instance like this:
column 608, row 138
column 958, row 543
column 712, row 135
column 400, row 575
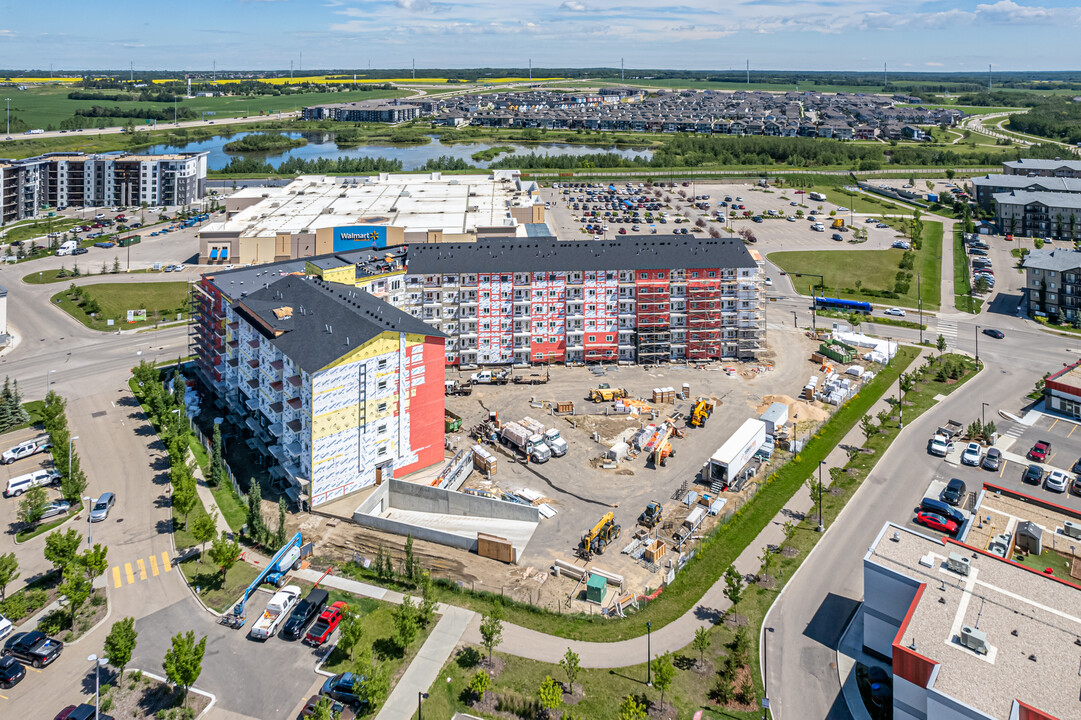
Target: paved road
column 164, row 126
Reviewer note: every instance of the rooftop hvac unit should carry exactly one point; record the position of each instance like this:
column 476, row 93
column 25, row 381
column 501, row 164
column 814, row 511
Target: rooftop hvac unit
column 1072, row 529
column 959, row 564
column 973, row 639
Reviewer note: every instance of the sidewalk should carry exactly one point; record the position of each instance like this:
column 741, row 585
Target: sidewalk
column 207, row 498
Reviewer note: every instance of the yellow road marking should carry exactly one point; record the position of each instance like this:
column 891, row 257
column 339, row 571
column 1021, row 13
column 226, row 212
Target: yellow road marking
column 1053, row 424
column 1050, row 458
column 142, row 569
column 165, row 561
column 154, row 565
column 4, row 696
column 116, row 576
column 1004, row 463
column 1071, row 430
column 129, row 573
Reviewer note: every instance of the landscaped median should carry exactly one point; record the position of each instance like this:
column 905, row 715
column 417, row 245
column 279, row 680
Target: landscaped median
column 95, row 305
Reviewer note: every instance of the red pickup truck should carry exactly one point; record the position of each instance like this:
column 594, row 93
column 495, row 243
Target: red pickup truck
column 1040, row 451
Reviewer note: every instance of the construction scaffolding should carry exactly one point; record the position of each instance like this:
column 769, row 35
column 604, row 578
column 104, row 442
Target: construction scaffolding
column 654, row 317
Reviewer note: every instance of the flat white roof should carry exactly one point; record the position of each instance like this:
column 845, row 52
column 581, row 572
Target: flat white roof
column 738, row 441
column 453, row 204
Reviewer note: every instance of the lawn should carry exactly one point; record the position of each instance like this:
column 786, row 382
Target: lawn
column 691, row 689
column 181, row 537
column 874, row 269
column 233, row 509
column 45, row 277
column 1059, row 563
column 213, row 593
column 53, row 522
column 161, row 300
column 962, row 280
column 39, row 228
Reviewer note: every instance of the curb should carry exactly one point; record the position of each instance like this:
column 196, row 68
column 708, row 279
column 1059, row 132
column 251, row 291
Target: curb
column 197, row 691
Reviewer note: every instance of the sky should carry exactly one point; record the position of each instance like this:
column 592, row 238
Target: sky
column 906, row 35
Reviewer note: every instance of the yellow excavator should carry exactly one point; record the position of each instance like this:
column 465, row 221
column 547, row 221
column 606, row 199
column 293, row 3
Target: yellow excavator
column 702, row 410
column 599, row 536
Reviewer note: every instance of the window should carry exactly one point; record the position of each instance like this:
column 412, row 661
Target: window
column 382, row 450
column 382, row 385
column 382, row 429
column 381, row 407
column 382, row 363
column 711, row 274
column 642, row 276
column 593, row 338
column 608, row 338
column 694, row 274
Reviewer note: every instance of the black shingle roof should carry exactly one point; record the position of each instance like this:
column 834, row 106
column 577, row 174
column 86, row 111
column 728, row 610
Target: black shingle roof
column 326, row 322
column 633, row 252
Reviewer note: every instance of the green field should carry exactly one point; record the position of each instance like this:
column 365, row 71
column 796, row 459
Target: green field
column 161, row 300
column 42, row 106
column 213, row 592
column 26, row 230
column 875, row 269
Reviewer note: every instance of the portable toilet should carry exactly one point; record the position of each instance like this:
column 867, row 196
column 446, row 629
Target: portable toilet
column 595, row 587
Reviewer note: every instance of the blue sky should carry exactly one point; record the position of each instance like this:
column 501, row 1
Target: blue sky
column 693, row 34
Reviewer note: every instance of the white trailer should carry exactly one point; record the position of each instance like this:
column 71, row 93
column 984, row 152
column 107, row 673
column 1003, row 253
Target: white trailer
column 276, row 611
column 728, row 462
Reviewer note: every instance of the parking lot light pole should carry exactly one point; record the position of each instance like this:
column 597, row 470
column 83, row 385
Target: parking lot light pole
column 89, row 526
column 765, row 672
column 649, row 655
column 919, row 300
column 977, row 347
column 983, row 414
column 48, row 380
column 820, row 527
column 98, row 663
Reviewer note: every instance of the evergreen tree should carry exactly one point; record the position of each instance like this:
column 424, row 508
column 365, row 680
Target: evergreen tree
column 6, row 399
column 216, row 470
column 18, row 412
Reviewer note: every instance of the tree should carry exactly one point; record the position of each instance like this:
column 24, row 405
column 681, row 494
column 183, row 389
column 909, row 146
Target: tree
column 256, row 524
column 733, row 584
column 323, row 710
column 183, row 662
column 281, row 534
column 120, row 643
column 906, row 381
column 116, row 264
column 405, row 623
column 350, row 631
column 868, row 427
column 664, row 672
column 631, row 709
column 9, row 570
column 94, row 561
column 185, row 499
column 479, row 684
column 741, row 646
column 224, row 553
column 701, row 643
column 940, row 343
column 53, row 411
column 61, row 548
column 491, row 630
column 217, row 469
column 550, row 695
column 426, row 609
column 203, row 528
column 570, row 665
column 76, row 588
column 816, row 490
column 410, row 567
column 32, row 506
column 73, row 483
column 373, row 684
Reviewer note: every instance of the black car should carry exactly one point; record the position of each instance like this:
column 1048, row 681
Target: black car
column 81, row 712
column 340, row 688
column 992, row 459
column 930, row 505
column 996, row 334
column 34, row 647
column 11, row 672
column 79, row 251
column 955, row 492
column 1033, row 474
column 306, row 610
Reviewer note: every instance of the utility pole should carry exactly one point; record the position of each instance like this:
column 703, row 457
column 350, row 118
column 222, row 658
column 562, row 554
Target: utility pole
column 621, row 69
column 8, row 101
column 131, row 71
column 290, row 71
column 989, row 85
column 50, row 72
column 748, row 72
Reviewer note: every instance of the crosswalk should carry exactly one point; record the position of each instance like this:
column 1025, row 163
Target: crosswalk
column 1015, row 431
column 948, row 330
column 128, row 571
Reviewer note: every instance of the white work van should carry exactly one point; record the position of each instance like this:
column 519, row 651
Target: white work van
column 39, row 478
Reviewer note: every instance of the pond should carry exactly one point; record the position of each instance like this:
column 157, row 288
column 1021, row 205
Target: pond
column 412, row 157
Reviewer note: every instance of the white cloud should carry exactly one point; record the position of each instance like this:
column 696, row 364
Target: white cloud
column 573, row 6
column 414, row 5
column 7, row 33
column 933, row 64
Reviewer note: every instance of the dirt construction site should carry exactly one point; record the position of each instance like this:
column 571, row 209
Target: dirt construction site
column 577, row 490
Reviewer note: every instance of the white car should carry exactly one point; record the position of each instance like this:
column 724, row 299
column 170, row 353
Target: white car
column 5, row 627
column 894, row 311
column 972, row 455
column 842, row 208
column 1056, row 481
column 769, row 282
column 791, row 218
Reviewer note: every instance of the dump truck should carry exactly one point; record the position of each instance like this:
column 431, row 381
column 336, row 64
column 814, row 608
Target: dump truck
column 277, row 610
column 451, row 422
column 551, row 437
column 455, row 387
column 702, row 410
column 529, row 443
column 607, row 394
column 651, row 516
column 599, row 536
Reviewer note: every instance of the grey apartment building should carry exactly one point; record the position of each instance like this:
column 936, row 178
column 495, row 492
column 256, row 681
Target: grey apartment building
column 1053, row 283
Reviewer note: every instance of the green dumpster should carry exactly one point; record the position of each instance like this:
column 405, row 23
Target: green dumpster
column 595, row 587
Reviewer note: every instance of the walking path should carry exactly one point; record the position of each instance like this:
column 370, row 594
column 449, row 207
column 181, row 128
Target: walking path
column 211, row 505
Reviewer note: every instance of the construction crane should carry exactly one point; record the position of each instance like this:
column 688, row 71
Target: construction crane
column 599, row 536
column 702, row 410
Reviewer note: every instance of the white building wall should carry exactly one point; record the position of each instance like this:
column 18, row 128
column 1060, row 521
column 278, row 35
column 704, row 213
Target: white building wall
column 887, row 597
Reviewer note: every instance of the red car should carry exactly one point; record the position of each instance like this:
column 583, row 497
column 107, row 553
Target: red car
column 327, row 623
column 936, row 522
column 1039, row 451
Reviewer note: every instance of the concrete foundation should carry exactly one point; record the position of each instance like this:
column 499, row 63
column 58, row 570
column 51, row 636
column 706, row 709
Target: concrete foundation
column 445, row 517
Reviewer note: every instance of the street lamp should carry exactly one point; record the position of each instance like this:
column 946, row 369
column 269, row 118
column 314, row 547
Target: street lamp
column 977, row 347
column 919, row 299
column 649, row 655
column 820, row 464
column 420, row 696
column 48, row 380
column 89, row 526
column 98, row 664
column 900, row 405
column 765, row 672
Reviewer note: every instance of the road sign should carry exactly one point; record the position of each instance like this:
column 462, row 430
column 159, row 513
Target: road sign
column 765, row 703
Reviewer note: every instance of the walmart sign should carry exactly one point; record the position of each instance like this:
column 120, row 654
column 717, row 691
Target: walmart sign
column 360, row 237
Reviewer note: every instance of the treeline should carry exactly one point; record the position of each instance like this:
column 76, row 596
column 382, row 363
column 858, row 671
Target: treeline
column 264, row 142
column 100, row 111
column 533, row 161
column 143, row 96
column 446, row 162
column 313, row 166
column 1058, row 119
column 1001, row 99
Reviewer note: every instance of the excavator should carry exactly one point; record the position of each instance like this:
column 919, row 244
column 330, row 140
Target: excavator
column 599, row 536
column 702, row 410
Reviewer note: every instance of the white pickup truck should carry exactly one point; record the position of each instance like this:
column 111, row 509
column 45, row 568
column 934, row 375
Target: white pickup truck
column 277, row 610
column 940, row 445
column 25, row 449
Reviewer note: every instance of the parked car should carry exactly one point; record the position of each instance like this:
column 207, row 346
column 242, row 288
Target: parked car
column 1033, row 474
column 82, row 712
column 898, row 312
column 996, row 334
column 11, row 672
column 337, row 709
column 881, row 225
column 992, row 460
column 972, row 454
column 102, row 506
column 56, row 507
column 35, row 648
column 340, row 688
column 305, row 612
column 936, row 522
column 955, row 492
column 5, row 627
column 1040, row 451
column 327, row 623
column 1056, row 481
column 837, row 236
column 937, row 507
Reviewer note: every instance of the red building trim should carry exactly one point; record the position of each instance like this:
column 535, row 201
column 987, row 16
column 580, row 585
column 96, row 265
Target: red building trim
column 907, row 663
column 1027, row 712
